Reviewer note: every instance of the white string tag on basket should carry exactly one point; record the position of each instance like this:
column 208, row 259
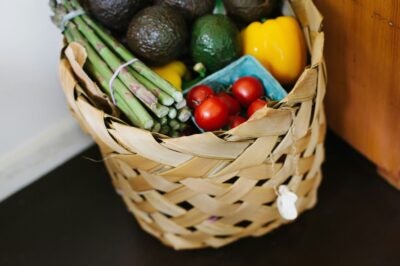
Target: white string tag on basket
column 115, row 75
column 286, row 203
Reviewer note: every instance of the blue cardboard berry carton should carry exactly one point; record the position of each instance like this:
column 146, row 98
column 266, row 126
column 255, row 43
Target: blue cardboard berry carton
column 245, row 66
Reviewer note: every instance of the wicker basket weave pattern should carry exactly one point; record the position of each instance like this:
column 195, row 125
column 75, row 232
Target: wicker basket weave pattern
column 208, row 189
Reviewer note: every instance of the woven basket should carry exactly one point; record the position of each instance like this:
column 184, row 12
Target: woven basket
column 208, row 190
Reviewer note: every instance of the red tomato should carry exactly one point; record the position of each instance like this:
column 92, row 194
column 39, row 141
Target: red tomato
column 197, row 95
column 255, row 106
column 236, row 120
column 212, row 114
column 232, row 104
column 247, row 90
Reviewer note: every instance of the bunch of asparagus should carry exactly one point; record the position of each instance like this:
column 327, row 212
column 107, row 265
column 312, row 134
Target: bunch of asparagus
column 146, row 99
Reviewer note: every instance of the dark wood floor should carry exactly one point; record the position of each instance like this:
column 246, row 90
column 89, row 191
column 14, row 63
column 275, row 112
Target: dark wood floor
column 72, row 216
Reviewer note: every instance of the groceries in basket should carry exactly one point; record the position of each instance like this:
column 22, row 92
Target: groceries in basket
column 146, row 54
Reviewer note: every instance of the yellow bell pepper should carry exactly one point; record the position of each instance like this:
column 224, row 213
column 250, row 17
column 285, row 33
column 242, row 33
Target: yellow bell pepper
column 279, row 45
column 173, row 73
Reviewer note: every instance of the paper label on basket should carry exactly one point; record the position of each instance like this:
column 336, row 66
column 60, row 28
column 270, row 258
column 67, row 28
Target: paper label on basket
column 286, row 203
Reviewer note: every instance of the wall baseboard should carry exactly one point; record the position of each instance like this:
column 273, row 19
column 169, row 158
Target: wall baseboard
column 41, row 154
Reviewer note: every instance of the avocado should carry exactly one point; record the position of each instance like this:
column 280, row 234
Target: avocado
column 250, row 10
column 189, row 8
column 157, row 34
column 113, row 14
column 215, row 42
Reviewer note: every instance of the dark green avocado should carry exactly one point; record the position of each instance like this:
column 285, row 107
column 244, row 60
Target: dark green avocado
column 157, row 34
column 191, row 9
column 114, row 14
column 250, row 10
column 215, row 42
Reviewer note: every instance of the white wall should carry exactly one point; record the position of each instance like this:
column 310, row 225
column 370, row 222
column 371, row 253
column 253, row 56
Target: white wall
column 36, row 131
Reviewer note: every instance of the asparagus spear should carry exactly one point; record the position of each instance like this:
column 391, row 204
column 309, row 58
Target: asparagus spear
column 182, row 127
column 146, row 97
column 121, row 99
column 126, row 55
column 124, row 99
column 99, row 68
column 164, row 98
column 165, row 129
column 175, row 134
column 156, row 127
column 164, row 120
column 172, row 113
column 184, row 115
column 181, row 104
column 174, row 124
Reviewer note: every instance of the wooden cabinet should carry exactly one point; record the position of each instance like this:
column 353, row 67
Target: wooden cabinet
column 363, row 59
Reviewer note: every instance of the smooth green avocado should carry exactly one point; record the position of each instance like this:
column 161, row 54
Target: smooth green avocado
column 215, row 42
column 157, row 34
